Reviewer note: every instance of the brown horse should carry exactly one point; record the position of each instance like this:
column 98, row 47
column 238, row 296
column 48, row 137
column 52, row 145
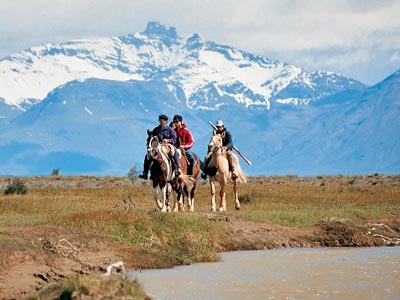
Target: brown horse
column 181, row 188
column 218, row 160
column 162, row 172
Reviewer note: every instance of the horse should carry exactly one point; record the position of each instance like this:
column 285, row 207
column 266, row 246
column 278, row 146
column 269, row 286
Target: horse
column 217, row 160
column 181, row 188
column 162, row 173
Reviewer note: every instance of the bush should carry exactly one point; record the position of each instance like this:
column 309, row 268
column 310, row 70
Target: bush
column 56, row 172
column 17, row 186
column 244, row 199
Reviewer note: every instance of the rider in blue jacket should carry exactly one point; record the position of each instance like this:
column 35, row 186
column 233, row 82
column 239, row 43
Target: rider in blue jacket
column 165, row 134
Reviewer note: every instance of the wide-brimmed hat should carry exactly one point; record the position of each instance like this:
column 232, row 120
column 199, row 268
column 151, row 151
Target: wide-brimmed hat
column 220, row 123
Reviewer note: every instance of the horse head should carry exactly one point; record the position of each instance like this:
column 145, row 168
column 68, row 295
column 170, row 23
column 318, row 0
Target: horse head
column 215, row 143
column 153, row 147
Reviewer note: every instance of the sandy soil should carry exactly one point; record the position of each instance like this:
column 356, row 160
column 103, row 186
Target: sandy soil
column 38, row 262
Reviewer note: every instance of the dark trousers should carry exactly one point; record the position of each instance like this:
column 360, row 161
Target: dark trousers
column 147, row 165
column 190, row 158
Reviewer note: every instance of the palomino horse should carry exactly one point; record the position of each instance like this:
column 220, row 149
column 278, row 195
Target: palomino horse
column 181, row 188
column 162, row 172
column 218, row 160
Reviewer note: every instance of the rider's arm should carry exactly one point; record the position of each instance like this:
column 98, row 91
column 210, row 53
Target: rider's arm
column 228, row 140
column 187, row 139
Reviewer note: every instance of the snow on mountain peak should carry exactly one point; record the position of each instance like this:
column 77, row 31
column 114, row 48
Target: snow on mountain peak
column 205, row 71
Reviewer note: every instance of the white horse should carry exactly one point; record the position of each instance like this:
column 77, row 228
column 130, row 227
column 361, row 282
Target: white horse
column 218, row 160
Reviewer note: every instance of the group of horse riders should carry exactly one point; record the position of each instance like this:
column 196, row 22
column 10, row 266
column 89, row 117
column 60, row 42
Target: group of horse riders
column 178, row 134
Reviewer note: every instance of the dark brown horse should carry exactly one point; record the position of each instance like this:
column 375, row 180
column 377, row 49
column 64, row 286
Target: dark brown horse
column 183, row 190
column 162, row 173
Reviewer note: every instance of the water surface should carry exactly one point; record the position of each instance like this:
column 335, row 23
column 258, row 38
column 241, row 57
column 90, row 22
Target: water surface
column 328, row 273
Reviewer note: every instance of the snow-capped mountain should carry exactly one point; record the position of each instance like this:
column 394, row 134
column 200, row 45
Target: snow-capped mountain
column 354, row 132
column 84, row 107
column 198, row 72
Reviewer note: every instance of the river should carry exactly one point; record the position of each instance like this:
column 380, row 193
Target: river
column 320, row 273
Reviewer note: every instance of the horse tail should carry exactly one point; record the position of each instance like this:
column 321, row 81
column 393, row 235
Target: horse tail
column 187, row 181
column 241, row 175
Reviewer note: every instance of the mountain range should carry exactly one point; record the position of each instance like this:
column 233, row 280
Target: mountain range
column 84, row 106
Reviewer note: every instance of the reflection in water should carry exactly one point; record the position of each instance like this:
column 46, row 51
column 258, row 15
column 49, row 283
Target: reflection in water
column 339, row 273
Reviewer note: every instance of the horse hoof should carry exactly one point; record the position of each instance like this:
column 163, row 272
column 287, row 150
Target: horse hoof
column 213, row 209
column 237, row 206
column 191, row 209
column 222, row 209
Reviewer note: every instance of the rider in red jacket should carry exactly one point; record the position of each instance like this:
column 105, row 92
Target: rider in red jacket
column 184, row 140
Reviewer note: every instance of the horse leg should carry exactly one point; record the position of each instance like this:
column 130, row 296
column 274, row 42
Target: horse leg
column 181, row 205
column 164, row 198
column 167, row 197
column 235, row 192
column 155, row 196
column 191, row 199
column 212, row 190
column 222, row 195
column 180, row 198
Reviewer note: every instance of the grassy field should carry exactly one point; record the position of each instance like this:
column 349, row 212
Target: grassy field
column 86, row 202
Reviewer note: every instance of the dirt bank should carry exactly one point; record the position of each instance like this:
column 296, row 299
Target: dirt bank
column 33, row 262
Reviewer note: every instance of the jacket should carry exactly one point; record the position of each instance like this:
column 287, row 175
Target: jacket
column 165, row 132
column 226, row 138
column 184, row 137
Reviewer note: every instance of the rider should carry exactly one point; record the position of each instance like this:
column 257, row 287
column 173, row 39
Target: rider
column 228, row 145
column 184, row 141
column 165, row 134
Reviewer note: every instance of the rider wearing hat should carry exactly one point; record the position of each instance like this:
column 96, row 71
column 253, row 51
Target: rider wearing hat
column 165, row 134
column 228, row 145
column 184, row 141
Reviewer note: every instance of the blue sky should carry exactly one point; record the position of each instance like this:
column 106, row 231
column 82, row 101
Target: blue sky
column 356, row 38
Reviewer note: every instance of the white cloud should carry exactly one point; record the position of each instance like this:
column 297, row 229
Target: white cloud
column 349, row 31
column 395, row 58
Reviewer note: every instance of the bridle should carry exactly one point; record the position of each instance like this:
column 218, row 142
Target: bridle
column 215, row 144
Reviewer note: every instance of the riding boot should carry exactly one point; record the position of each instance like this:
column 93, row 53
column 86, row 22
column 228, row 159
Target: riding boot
column 190, row 159
column 204, row 167
column 146, row 168
column 234, row 173
column 177, row 164
column 231, row 165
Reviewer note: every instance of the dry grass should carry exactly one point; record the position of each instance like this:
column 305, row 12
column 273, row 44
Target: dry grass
column 107, row 202
column 93, row 287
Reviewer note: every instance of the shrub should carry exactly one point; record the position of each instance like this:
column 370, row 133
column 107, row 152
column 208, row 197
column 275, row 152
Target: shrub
column 56, row 172
column 17, row 186
column 244, row 199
